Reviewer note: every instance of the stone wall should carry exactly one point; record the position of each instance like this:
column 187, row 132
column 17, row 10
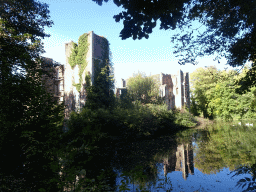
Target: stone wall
column 52, row 78
column 75, row 100
column 174, row 88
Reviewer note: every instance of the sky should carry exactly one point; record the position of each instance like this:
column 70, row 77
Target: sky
column 73, row 18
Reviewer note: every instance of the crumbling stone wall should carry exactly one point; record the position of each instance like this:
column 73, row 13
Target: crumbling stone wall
column 52, row 78
column 74, row 99
column 174, row 88
column 166, row 88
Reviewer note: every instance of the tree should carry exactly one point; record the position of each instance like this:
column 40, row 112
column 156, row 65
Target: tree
column 229, row 26
column 202, row 81
column 144, row 89
column 100, row 94
column 216, row 94
column 30, row 121
column 229, row 32
column 141, row 13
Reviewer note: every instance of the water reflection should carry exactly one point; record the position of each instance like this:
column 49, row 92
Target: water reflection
column 249, row 184
column 182, row 161
column 194, row 160
column 147, row 163
column 219, row 158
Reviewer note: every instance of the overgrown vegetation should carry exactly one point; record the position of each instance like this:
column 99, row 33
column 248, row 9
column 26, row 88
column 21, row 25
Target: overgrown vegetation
column 78, row 57
column 106, row 120
column 30, row 121
column 144, row 89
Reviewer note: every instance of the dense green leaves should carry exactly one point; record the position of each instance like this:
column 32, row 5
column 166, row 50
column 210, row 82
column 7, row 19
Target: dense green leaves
column 30, row 121
column 144, row 89
column 78, row 57
column 73, row 55
column 202, row 81
column 100, row 94
column 216, row 94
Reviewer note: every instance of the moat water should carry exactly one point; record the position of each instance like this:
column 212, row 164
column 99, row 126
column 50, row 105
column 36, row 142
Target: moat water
column 221, row 157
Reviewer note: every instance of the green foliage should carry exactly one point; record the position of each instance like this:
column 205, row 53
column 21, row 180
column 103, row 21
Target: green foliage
column 78, row 57
column 216, row 94
column 100, row 94
column 144, row 89
column 201, row 83
column 78, row 86
column 30, row 121
column 185, row 119
column 73, row 55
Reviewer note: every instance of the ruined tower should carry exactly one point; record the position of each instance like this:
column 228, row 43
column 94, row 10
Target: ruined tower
column 75, row 99
column 175, row 89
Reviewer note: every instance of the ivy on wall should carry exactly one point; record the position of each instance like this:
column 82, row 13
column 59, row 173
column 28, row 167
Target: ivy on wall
column 100, row 94
column 72, row 57
column 101, row 64
column 78, row 57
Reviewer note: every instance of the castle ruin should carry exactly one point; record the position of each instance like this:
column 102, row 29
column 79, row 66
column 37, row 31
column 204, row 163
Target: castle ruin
column 173, row 88
column 74, row 99
column 61, row 80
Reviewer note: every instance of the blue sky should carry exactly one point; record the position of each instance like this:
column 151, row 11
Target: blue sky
column 72, row 18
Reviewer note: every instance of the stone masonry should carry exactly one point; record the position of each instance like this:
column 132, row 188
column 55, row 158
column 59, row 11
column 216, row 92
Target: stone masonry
column 74, row 100
column 59, row 79
column 52, row 78
column 174, row 88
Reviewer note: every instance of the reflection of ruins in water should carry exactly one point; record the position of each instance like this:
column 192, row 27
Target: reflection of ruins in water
column 182, row 160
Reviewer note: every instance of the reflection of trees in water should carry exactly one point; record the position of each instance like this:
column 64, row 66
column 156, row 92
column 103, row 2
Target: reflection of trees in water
column 250, row 183
column 87, row 168
column 140, row 163
column 227, row 146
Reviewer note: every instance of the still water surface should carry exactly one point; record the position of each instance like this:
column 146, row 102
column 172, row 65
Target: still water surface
column 221, row 157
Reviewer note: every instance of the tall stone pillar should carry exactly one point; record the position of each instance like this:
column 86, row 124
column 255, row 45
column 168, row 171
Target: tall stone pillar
column 187, row 90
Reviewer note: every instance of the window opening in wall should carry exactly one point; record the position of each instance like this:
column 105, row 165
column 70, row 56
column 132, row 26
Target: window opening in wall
column 56, row 89
column 57, row 74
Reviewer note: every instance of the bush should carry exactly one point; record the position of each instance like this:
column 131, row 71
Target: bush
column 185, row 119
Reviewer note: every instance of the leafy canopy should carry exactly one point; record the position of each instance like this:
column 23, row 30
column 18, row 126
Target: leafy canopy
column 215, row 93
column 226, row 28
